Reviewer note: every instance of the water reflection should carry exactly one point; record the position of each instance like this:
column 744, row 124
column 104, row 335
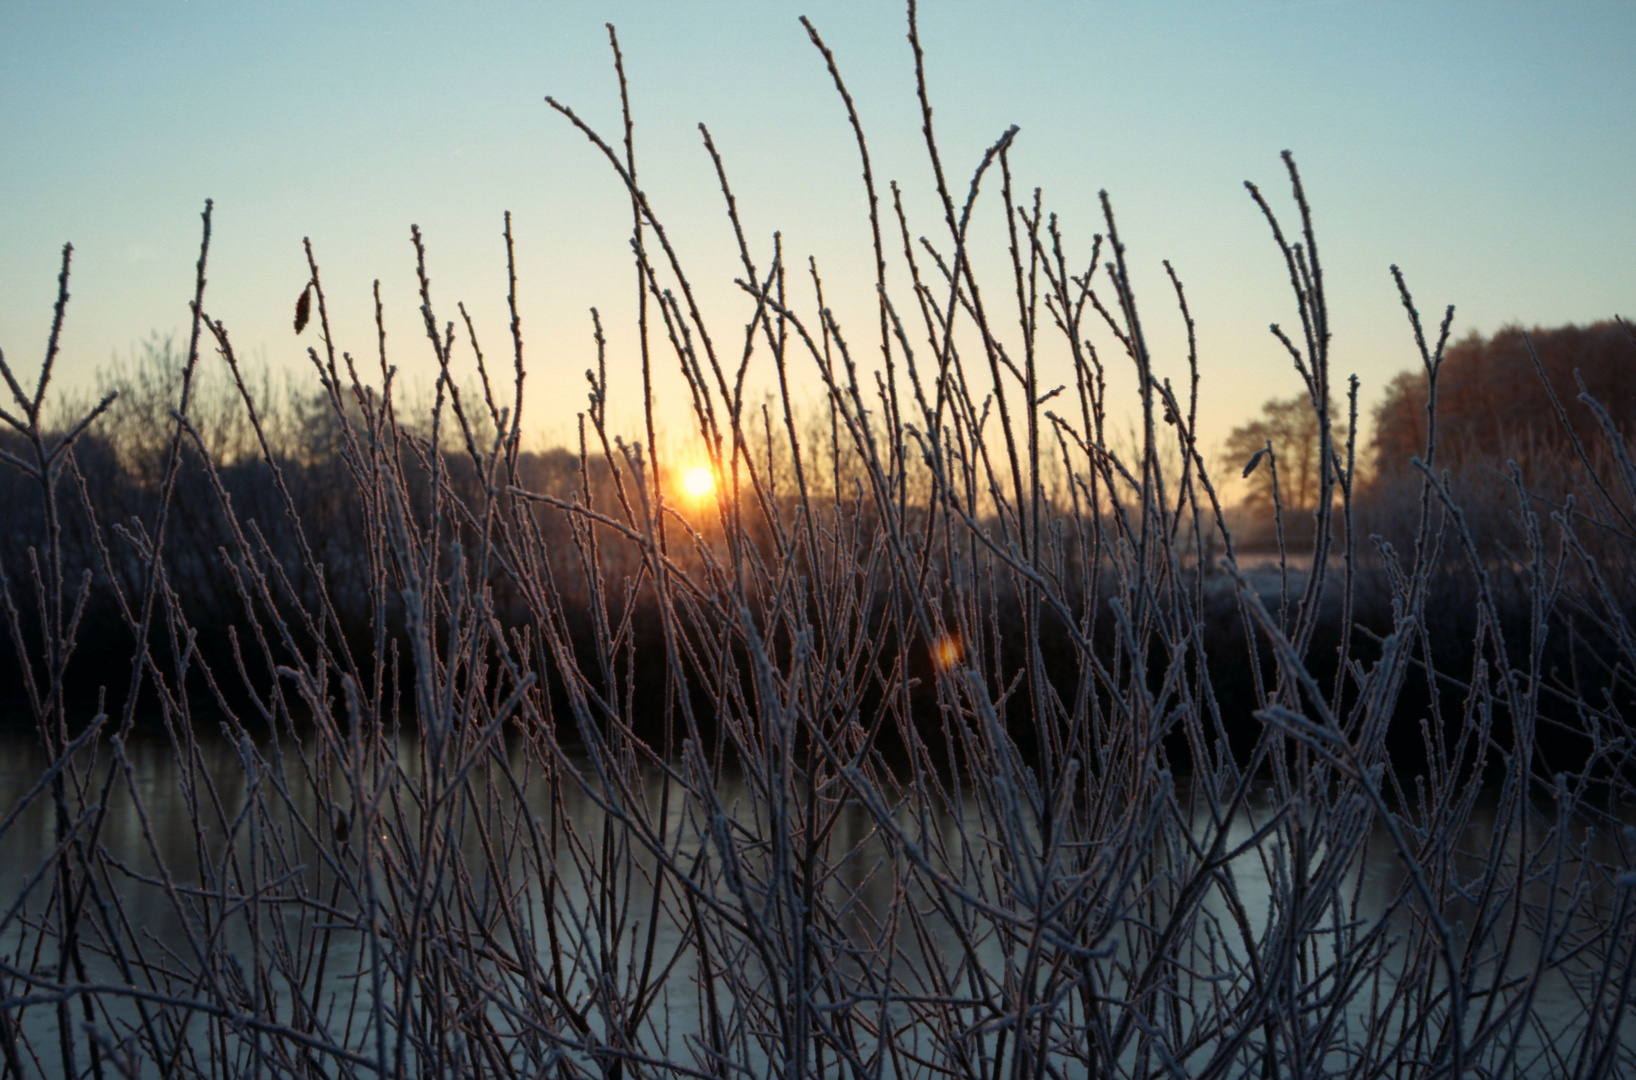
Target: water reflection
column 167, row 854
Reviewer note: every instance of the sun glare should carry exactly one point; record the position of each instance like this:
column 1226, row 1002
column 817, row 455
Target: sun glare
column 699, row 482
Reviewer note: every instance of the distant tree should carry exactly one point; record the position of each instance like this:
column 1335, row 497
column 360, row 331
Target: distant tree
column 1400, row 423
column 1291, row 425
column 1491, row 403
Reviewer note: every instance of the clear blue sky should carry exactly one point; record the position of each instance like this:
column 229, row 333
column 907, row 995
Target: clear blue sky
column 1489, row 148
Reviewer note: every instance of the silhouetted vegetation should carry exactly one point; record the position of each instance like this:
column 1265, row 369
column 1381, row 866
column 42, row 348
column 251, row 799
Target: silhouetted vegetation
column 1278, row 452
column 957, row 741
column 1515, row 396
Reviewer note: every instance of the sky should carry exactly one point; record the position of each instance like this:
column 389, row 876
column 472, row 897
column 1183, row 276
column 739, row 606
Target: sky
column 1487, row 148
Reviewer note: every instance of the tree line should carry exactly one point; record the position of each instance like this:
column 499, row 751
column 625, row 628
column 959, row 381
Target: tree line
column 1516, row 396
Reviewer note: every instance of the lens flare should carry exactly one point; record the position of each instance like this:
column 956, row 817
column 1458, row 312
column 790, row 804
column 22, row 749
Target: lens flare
column 699, row 482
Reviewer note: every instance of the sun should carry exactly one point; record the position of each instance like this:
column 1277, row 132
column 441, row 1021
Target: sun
column 699, row 482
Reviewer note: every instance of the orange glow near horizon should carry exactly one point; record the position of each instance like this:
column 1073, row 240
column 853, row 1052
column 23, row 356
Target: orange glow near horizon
column 699, row 482
column 946, row 652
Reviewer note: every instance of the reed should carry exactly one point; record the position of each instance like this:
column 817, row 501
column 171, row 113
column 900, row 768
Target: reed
column 910, row 755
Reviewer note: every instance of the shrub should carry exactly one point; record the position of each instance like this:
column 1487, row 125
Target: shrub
column 939, row 777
